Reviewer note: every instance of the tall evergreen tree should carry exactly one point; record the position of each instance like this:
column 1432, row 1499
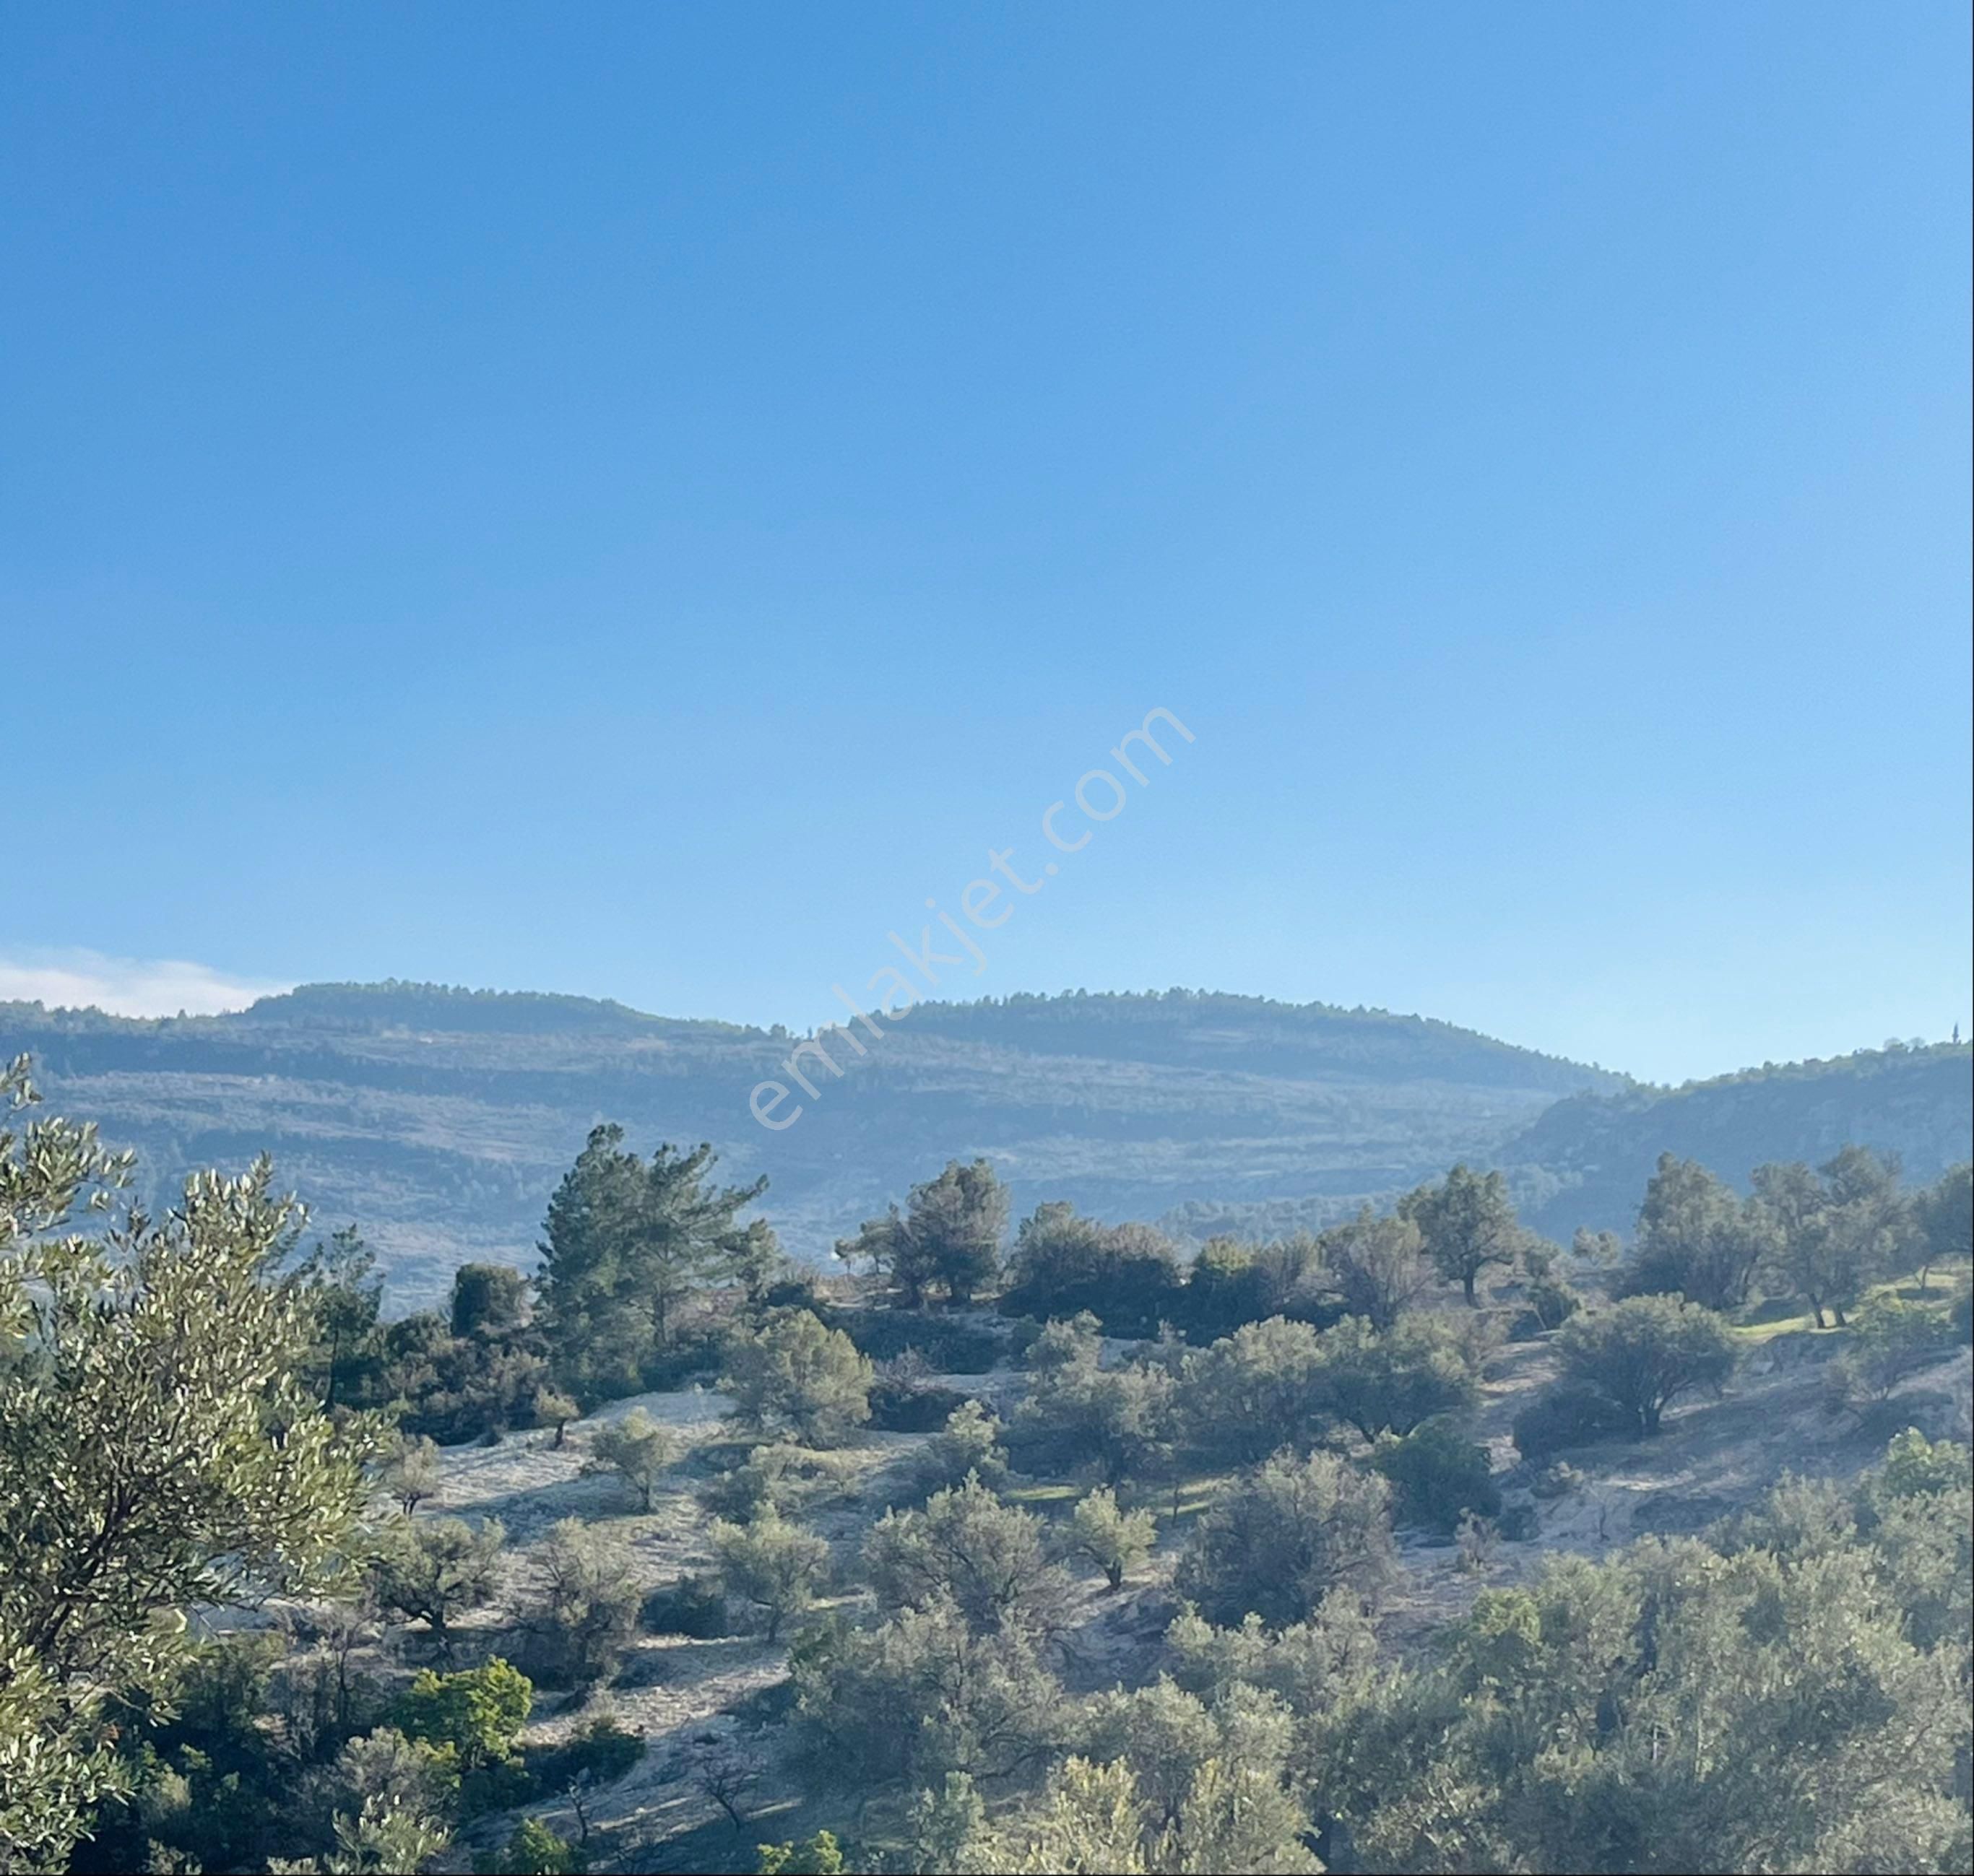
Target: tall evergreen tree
column 626, row 1243
column 948, row 1238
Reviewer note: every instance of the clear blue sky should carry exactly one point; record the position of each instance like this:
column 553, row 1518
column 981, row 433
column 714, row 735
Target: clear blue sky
column 633, row 499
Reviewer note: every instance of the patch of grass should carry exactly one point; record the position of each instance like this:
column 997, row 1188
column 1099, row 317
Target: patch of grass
column 1044, row 1492
column 1797, row 1322
column 1942, row 1280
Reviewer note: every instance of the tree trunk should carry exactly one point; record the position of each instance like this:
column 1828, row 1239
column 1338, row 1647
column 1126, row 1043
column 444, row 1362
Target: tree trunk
column 1466, row 1280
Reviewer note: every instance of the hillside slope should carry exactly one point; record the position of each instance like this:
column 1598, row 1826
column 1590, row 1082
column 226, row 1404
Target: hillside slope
column 1585, row 1160
column 439, row 1121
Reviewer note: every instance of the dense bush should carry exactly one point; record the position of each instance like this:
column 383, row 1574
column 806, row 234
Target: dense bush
column 905, row 1400
column 1231, row 1283
column 1255, row 1390
column 692, row 1606
column 798, row 1374
column 582, row 1606
column 771, row 1564
column 476, row 1714
column 600, row 1752
column 1127, row 1276
column 987, row 1560
column 535, row 1850
column 1437, row 1474
column 1669, row 1709
column 1569, row 1414
column 968, row 1445
column 774, row 1477
column 1078, row 1412
column 1279, row 1539
column 946, row 1346
column 921, row 1695
column 1644, row 1353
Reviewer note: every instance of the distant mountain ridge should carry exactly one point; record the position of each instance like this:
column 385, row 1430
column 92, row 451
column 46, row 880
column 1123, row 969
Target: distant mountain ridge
column 438, row 1120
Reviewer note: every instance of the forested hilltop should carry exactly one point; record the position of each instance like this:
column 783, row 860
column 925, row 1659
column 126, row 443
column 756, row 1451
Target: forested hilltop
column 440, row 1118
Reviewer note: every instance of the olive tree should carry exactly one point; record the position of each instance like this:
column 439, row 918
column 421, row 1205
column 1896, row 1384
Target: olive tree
column 637, row 1449
column 1467, row 1224
column 1379, row 1265
column 1393, row 1381
column 797, row 1374
column 989, row 1559
column 1280, row 1538
column 922, row 1695
column 1697, row 1238
column 157, row 1449
column 581, row 1607
column 1642, row 1355
column 771, row 1563
column 435, row 1570
column 1116, row 1540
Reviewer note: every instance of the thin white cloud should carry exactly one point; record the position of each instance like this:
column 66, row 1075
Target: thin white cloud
column 124, row 986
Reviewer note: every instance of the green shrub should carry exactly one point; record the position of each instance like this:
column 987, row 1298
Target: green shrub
column 1437, row 1474
column 1279, row 1539
column 900, row 1406
column 535, row 1850
column 796, row 1374
column 1889, row 1341
column 774, row 1477
column 1915, row 1467
column 478, row 1712
column 819, row 1855
column 694, row 1606
column 602, row 1753
column 1569, row 1414
column 945, row 1347
column 968, row 1444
